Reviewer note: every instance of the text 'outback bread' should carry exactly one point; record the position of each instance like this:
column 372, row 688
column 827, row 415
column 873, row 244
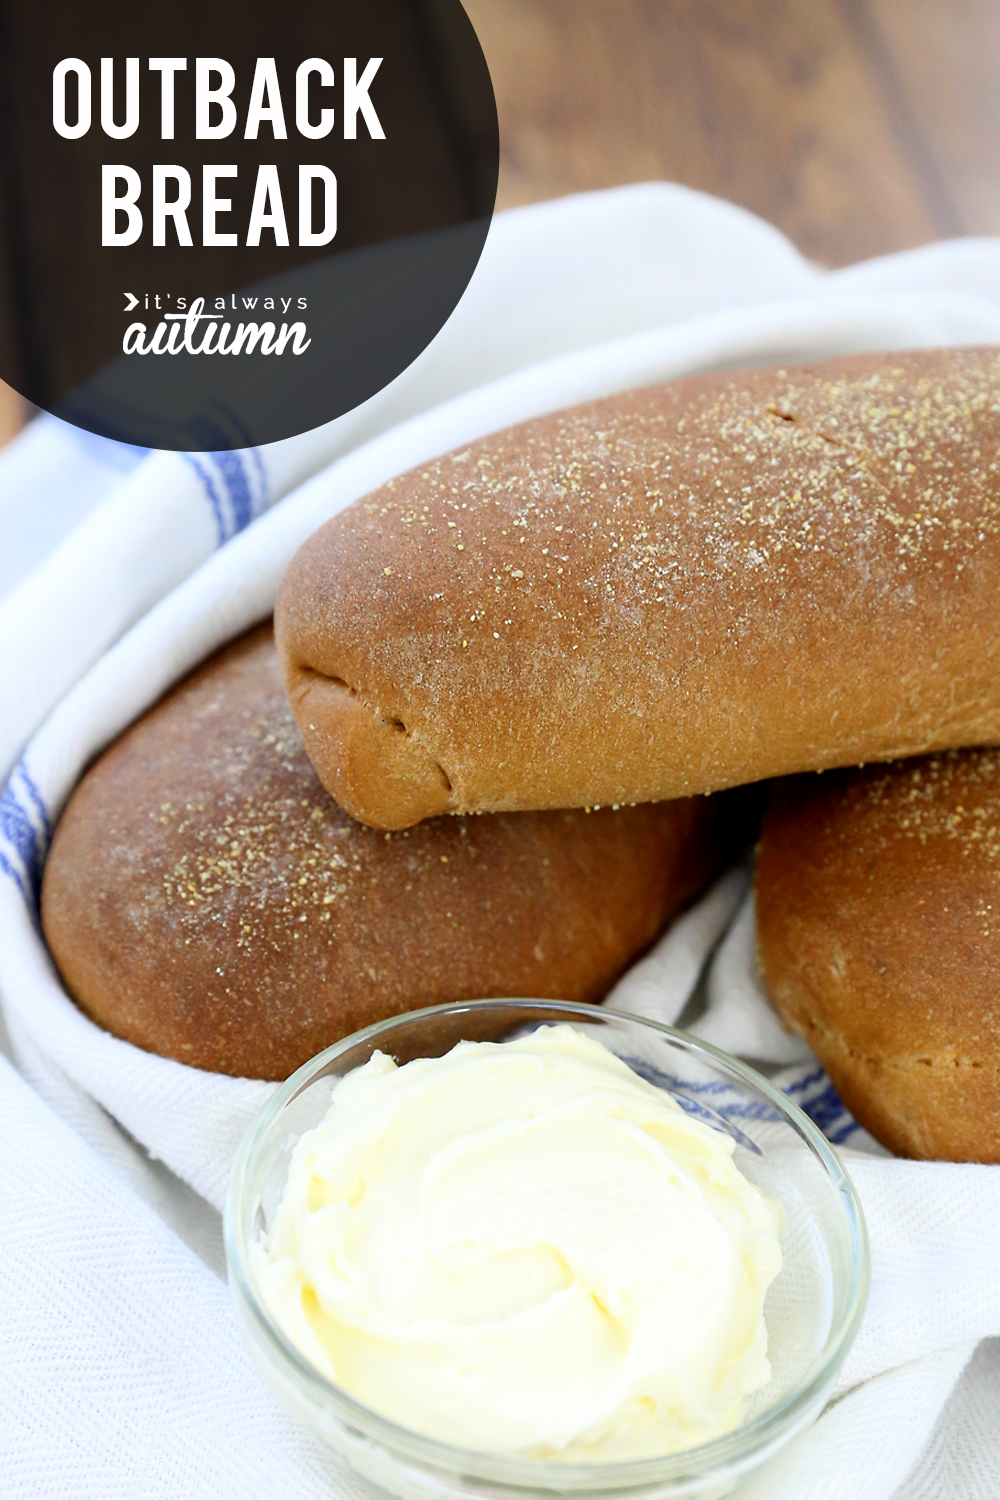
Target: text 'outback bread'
column 205, row 898
column 878, row 921
column 709, row 582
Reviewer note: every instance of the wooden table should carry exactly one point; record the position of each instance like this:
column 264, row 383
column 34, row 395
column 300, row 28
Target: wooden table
column 856, row 126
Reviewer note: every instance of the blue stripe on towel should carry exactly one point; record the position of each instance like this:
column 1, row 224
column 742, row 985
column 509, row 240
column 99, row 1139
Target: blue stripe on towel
column 21, row 769
column 235, row 484
column 6, row 868
column 807, row 1082
column 816, row 1097
column 248, row 452
column 825, row 1109
column 812, row 1092
column 18, row 832
column 192, row 460
column 25, row 830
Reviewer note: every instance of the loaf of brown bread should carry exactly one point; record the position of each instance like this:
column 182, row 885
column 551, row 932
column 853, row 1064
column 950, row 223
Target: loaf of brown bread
column 878, row 919
column 708, row 582
column 205, row 898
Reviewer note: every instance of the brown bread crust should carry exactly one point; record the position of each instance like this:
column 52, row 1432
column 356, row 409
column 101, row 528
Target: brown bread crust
column 205, row 899
column 878, row 923
column 702, row 584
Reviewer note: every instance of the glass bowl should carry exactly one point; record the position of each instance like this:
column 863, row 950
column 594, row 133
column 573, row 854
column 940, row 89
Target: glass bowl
column 812, row 1310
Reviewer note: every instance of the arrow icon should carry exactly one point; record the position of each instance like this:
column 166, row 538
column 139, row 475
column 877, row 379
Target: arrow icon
column 132, row 302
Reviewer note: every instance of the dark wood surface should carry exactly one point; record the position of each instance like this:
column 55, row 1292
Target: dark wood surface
column 856, row 126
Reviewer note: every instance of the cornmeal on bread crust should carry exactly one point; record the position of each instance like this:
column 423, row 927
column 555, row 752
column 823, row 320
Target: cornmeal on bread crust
column 878, row 920
column 709, row 582
column 206, row 899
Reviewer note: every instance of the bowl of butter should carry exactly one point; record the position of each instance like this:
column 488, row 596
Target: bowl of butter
column 534, row 1247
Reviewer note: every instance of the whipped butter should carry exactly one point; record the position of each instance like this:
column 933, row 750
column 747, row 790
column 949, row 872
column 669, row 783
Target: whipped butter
column 524, row 1247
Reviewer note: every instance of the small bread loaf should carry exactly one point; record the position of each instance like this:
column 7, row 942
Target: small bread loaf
column 705, row 583
column 878, row 920
column 205, row 898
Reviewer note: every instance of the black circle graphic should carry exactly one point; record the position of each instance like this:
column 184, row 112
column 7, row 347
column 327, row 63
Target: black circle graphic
column 227, row 223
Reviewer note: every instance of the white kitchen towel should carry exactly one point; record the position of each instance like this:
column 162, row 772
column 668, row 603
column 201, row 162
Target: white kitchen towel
column 614, row 290
column 52, row 476
column 124, row 1375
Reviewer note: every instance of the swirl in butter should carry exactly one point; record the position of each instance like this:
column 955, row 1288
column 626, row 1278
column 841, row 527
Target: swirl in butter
column 525, row 1248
